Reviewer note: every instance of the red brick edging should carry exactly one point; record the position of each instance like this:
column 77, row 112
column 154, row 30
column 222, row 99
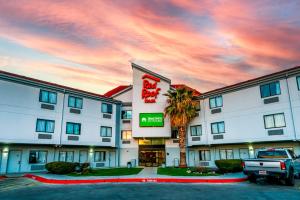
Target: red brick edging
column 135, row 180
column 2, row 177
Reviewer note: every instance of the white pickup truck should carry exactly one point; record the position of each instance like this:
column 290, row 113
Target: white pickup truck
column 279, row 163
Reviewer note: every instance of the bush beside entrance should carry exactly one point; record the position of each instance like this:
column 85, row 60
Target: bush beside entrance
column 228, row 166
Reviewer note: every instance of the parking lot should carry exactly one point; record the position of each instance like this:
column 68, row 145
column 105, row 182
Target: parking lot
column 27, row 189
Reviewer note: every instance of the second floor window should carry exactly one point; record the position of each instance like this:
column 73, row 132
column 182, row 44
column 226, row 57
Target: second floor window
column 126, row 114
column 75, row 102
column 298, row 82
column 270, row 89
column 196, row 130
column 73, row 128
column 216, row 102
column 106, row 108
column 44, row 125
column 126, row 135
column 274, row 121
column 218, row 128
column 48, row 97
column 105, row 131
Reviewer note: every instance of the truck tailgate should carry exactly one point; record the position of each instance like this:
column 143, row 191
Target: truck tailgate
column 263, row 164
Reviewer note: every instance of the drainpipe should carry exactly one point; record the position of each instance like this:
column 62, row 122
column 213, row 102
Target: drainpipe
column 291, row 108
column 62, row 119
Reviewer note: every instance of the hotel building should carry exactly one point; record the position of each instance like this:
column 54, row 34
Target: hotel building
column 41, row 122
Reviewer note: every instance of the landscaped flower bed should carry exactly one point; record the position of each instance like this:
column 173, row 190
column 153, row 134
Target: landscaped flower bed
column 192, row 171
column 108, row 172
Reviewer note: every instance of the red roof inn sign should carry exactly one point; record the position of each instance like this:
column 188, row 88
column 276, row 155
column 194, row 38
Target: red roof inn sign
column 150, row 90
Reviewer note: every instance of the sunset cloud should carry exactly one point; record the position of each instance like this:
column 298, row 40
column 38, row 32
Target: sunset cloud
column 207, row 44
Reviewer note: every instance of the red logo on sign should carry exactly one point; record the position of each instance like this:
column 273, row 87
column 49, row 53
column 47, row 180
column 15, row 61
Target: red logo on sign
column 150, row 90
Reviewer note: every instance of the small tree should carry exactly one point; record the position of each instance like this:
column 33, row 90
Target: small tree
column 181, row 109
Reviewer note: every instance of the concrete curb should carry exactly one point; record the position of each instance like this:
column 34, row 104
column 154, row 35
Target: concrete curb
column 135, row 180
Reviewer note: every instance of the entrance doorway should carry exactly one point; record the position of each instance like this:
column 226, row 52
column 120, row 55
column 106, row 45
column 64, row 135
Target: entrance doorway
column 14, row 161
column 151, row 152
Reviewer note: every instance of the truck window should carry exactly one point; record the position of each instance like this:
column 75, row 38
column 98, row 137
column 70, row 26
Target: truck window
column 272, row 154
column 292, row 154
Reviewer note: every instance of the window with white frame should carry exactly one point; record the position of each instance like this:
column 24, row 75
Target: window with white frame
column 216, row 102
column 105, row 131
column 66, row 156
column 99, row 156
column 45, row 126
column 218, row 128
column 75, row 102
column 226, row 154
column 48, row 97
column 37, row 157
column 274, row 121
column 204, row 155
column 196, row 130
column 126, row 135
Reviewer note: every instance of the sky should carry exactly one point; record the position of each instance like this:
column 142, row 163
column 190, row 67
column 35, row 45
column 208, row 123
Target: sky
column 90, row 44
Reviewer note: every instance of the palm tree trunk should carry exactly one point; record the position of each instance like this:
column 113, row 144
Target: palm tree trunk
column 182, row 146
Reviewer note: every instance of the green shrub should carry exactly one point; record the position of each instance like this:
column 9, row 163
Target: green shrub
column 227, row 166
column 60, row 167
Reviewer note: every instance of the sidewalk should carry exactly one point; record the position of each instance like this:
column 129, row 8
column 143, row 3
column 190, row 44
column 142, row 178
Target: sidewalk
column 146, row 175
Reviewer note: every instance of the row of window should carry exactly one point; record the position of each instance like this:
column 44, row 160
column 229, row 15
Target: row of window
column 225, row 154
column 266, row 90
column 40, row 157
column 47, row 126
column 271, row 121
column 73, row 102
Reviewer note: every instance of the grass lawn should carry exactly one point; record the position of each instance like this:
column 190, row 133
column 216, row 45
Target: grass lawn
column 110, row 172
column 172, row 171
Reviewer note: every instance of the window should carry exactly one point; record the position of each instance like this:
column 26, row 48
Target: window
column 75, row 102
column 105, row 131
column 244, row 154
column 73, row 128
column 216, row 102
column 46, row 126
column 226, row 154
column 274, row 121
column 66, row 156
column 298, row 82
column 196, row 130
column 126, row 114
column 198, row 108
column 99, row 156
column 204, row 155
column 48, row 97
column 174, row 133
column 270, row 89
column 106, row 108
column 218, row 127
column 126, row 135
column 37, row 157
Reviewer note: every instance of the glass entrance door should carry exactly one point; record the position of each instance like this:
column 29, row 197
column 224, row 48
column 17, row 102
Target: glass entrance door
column 151, row 158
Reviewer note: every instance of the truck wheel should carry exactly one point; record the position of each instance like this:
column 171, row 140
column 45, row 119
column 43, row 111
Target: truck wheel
column 252, row 179
column 290, row 180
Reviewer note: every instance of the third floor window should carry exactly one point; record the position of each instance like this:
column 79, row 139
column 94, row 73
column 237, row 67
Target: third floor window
column 126, row 114
column 48, row 97
column 106, row 108
column 216, row 102
column 270, row 89
column 75, row 102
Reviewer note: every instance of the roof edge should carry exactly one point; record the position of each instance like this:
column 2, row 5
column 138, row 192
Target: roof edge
column 150, row 72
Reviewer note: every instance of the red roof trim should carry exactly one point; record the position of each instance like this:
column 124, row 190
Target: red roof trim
column 116, row 90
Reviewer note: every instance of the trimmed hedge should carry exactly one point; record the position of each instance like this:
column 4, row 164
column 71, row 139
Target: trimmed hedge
column 61, row 167
column 228, row 166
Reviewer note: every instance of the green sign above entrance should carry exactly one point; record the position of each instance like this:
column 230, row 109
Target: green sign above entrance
column 151, row 119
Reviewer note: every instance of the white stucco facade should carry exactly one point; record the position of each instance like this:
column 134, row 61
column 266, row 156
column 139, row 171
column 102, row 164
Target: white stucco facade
column 242, row 113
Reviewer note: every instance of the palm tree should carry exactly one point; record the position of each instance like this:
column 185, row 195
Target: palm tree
column 181, row 109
